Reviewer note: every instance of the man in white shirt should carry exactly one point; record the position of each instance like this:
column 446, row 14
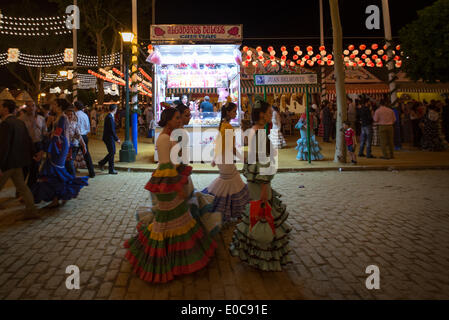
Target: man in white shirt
column 37, row 129
column 84, row 126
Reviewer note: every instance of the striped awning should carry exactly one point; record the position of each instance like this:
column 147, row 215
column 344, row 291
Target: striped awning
column 360, row 88
column 192, row 90
column 248, row 87
column 421, row 87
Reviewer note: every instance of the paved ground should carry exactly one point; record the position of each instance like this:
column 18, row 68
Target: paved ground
column 408, row 158
column 342, row 223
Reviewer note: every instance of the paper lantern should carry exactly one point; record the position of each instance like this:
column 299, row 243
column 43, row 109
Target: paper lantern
column 346, row 52
column 397, row 58
column 306, row 57
column 273, row 63
column 245, row 49
column 258, row 49
column 385, row 57
column 297, row 48
column 375, row 56
column 362, row 47
column 323, row 52
column 282, row 63
column 272, row 57
column 352, row 56
column 318, row 56
column 320, row 62
column 254, row 63
column 374, row 46
column 261, row 58
column 283, row 48
column 347, row 64
column 329, row 57
column 322, row 48
column 13, row 55
column 356, row 52
column 284, row 53
column 299, row 52
column 314, row 59
column 325, row 59
column 270, row 48
column 248, row 57
column 272, row 53
column 302, row 64
column 351, row 47
column 284, row 58
column 367, row 60
column 68, row 55
column 346, row 58
column 260, row 53
column 398, row 47
column 295, row 57
column 309, row 48
column 357, row 59
column 368, row 52
column 250, row 53
column 310, row 53
column 364, row 56
column 380, row 52
column 385, row 47
column 330, row 62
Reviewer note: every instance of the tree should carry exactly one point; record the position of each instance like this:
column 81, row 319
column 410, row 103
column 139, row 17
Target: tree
column 27, row 77
column 340, row 147
column 425, row 43
column 101, row 21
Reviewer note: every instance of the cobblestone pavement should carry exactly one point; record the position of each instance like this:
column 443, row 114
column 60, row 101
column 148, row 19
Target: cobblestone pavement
column 342, row 222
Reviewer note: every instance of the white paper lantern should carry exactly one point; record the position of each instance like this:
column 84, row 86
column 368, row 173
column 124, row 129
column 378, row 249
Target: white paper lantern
column 368, row 52
column 299, row 53
column 346, row 52
column 13, row 55
column 380, row 52
column 314, row 59
column 310, row 53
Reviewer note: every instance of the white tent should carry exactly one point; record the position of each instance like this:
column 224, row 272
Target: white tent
column 6, row 95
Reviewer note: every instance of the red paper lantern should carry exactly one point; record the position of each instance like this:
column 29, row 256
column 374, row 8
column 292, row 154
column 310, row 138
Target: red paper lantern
column 309, row 48
column 374, row 46
column 284, row 58
column 261, row 58
column 259, row 49
column 362, row 47
column 283, row 48
column 297, row 48
column 385, row 47
column 295, row 57
column 245, row 49
column 306, row 57
column 329, row 56
column 329, row 62
column 248, row 58
column 320, row 61
column 397, row 58
column 351, row 47
column 398, row 47
column 352, row 56
column 385, row 57
column 318, row 56
column 375, row 56
column 272, row 57
column 270, row 48
column 322, row 48
column 364, row 56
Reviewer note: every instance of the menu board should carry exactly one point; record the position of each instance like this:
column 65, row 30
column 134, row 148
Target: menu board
column 197, row 80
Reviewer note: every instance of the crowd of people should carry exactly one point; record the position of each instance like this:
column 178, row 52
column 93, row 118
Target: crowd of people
column 38, row 149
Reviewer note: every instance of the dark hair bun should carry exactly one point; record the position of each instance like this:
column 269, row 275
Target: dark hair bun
column 166, row 116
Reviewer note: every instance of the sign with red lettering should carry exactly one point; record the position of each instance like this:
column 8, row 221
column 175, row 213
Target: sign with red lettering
column 197, row 33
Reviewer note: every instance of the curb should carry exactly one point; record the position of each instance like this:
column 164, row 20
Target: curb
column 292, row 170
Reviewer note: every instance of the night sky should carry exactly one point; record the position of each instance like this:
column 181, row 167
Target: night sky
column 298, row 21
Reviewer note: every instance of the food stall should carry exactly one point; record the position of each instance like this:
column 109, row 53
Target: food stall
column 196, row 61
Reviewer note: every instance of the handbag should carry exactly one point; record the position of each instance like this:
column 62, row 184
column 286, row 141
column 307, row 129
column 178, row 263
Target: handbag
column 262, row 227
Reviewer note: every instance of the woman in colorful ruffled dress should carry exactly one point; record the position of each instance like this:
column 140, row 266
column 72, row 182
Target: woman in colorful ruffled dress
column 276, row 137
column 201, row 204
column 230, row 192
column 302, row 144
column 174, row 243
column 55, row 183
column 263, row 245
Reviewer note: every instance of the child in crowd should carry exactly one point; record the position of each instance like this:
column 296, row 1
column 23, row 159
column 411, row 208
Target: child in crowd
column 350, row 140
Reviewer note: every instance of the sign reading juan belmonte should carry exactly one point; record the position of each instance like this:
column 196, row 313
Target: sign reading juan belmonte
column 196, row 33
column 285, row 79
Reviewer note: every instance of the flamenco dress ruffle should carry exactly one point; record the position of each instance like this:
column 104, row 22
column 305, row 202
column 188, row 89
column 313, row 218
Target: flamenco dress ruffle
column 230, row 192
column 303, row 147
column 174, row 243
column 264, row 256
column 277, row 139
column 54, row 181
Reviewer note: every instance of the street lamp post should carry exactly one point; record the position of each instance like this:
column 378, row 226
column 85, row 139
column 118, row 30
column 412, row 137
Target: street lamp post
column 127, row 152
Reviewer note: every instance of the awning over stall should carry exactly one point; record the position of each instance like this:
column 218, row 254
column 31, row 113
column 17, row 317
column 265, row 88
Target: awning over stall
column 423, row 87
column 248, row 87
column 192, row 90
column 360, row 88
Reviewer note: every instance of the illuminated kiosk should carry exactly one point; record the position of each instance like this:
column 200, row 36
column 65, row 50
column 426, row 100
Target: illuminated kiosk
column 196, row 61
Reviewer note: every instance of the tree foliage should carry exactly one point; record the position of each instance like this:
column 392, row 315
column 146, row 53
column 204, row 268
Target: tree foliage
column 425, row 43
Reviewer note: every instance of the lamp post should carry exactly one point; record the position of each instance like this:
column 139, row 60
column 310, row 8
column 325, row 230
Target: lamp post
column 127, row 152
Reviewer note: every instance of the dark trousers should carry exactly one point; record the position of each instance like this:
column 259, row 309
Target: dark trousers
column 397, row 137
column 88, row 158
column 32, row 171
column 110, row 145
column 417, row 134
column 327, row 131
column 386, row 135
column 365, row 139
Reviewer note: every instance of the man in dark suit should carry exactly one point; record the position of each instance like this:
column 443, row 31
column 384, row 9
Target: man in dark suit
column 16, row 152
column 110, row 138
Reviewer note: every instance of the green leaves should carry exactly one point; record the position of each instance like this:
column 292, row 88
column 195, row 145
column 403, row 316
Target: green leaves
column 425, row 43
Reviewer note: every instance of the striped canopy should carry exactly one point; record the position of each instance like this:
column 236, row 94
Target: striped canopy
column 192, row 90
column 248, row 87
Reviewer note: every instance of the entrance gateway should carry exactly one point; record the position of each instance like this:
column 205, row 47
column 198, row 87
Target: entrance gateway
column 197, row 61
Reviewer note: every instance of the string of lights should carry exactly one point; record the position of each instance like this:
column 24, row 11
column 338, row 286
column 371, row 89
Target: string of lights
column 34, row 27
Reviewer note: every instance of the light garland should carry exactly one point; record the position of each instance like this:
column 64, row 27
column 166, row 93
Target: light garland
column 362, row 56
column 34, row 27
